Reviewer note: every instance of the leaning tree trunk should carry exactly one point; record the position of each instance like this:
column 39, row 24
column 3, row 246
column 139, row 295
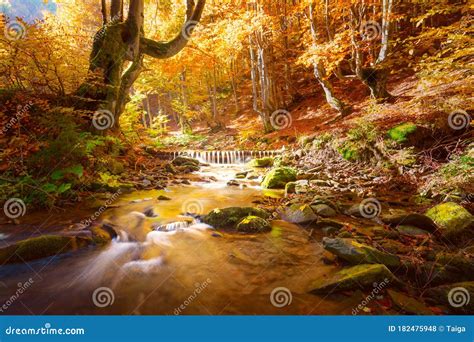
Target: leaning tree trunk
column 118, row 51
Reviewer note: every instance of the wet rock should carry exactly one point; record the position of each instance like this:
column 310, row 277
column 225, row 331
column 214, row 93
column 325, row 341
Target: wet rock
column 453, row 220
column 290, row 188
column 40, row 247
column 262, row 162
column 321, row 224
column 241, row 175
column 394, row 247
column 324, row 210
column 150, row 212
column 170, row 169
column 297, row 213
column 356, row 253
column 181, row 161
column 103, row 234
column 233, row 183
column 185, row 182
column 277, row 178
column 457, row 297
column 228, row 218
column 355, row 277
column 410, row 219
column 408, row 304
column 163, row 198
column 330, row 230
column 411, row 231
column 253, row 224
column 462, row 262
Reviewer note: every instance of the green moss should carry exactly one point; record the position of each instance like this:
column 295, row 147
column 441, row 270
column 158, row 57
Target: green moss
column 277, row 178
column 262, row 162
column 228, row 218
column 37, row 248
column 401, row 132
column 253, row 224
column 349, row 151
column 451, row 218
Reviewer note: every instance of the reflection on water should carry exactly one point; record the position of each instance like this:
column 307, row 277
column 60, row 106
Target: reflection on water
column 161, row 263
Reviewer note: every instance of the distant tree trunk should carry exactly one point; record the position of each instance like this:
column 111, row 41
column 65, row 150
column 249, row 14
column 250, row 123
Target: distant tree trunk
column 120, row 42
column 320, row 73
column 374, row 77
column 183, row 120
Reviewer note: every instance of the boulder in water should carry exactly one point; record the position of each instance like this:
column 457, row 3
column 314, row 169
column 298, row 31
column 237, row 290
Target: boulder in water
column 229, row 218
column 40, row 247
column 277, row 178
column 181, row 160
column 253, row 224
column 357, row 253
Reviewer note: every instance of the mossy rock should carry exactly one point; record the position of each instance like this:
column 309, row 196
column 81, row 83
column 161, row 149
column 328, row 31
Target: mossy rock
column 229, row 218
column 262, row 162
column 39, row 247
column 460, row 294
column 279, row 177
column 401, row 133
column 181, row 161
column 253, row 224
column 357, row 253
column 355, row 277
column 453, row 220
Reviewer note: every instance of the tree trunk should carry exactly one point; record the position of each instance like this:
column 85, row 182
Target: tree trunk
column 120, row 42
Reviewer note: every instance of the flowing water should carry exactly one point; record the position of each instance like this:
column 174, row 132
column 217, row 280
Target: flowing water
column 172, row 264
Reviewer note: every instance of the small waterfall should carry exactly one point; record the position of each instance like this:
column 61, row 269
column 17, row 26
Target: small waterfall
column 175, row 226
column 225, row 157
